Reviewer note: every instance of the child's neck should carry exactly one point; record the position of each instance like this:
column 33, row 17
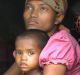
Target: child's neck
column 36, row 71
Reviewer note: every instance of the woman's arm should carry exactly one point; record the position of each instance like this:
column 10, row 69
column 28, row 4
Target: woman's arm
column 54, row 69
column 13, row 70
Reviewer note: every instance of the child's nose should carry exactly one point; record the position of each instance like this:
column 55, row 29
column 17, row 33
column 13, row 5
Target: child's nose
column 24, row 56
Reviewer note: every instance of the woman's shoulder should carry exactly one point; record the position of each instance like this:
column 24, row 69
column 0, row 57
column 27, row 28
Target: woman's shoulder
column 63, row 35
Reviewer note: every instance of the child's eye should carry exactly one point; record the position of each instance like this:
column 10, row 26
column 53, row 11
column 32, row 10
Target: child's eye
column 18, row 52
column 30, row 53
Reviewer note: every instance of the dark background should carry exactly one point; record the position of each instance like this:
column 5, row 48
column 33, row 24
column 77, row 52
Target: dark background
column 10, row 17
column 11, row 23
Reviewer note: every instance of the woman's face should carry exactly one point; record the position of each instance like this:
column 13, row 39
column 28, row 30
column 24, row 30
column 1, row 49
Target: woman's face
column 38, row 15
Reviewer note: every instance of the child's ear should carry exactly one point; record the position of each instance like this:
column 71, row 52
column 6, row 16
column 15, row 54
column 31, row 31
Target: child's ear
column 59, row 18
column 14, row 53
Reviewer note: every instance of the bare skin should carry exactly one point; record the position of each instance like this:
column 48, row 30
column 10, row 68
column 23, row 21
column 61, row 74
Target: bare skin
column 13, row 70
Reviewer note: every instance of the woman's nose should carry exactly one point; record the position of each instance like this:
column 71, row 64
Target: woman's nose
column 34, row 13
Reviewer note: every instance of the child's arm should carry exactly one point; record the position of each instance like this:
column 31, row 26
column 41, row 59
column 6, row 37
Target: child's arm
column 54, row 69
column 13, row 70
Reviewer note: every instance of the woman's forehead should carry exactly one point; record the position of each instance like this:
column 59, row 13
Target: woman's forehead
column 35, row 2
column 57, row 5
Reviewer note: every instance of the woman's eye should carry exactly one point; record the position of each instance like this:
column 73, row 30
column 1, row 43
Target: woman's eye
column 28, row 7
column 44, row 8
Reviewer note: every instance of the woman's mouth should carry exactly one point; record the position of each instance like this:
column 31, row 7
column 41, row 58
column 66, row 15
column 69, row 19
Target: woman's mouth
column 32, row 22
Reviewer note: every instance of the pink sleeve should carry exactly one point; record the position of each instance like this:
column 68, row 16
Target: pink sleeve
column 58, row 50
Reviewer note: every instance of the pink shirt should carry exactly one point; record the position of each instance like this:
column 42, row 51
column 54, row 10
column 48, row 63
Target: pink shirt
column 62, row 48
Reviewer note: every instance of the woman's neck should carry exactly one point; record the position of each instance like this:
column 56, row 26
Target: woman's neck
column 56, row 29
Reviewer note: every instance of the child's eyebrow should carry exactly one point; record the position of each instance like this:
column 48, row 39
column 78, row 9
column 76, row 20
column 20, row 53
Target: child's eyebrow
column 25, row 49
column 30, row 49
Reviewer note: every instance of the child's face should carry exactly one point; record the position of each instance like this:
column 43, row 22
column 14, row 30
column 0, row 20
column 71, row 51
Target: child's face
column 38, row 15
column 27, row 53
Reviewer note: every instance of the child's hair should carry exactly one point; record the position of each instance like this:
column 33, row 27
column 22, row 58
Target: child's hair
column 35, row 33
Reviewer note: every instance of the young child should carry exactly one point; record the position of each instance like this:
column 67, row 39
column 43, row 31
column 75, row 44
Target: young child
column 28, row 46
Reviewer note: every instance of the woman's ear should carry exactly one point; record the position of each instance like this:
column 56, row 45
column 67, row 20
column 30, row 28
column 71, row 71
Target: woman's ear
column 14, row 53
column 59, row 18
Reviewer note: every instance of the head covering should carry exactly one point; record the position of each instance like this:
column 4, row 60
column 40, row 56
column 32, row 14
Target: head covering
column 57, row 5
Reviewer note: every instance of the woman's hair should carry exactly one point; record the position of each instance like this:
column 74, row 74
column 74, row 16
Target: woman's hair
column 39, row 35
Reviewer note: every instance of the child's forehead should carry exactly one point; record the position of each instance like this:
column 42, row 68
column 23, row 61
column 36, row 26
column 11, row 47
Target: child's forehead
column 28, row 39
column 28, row 44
